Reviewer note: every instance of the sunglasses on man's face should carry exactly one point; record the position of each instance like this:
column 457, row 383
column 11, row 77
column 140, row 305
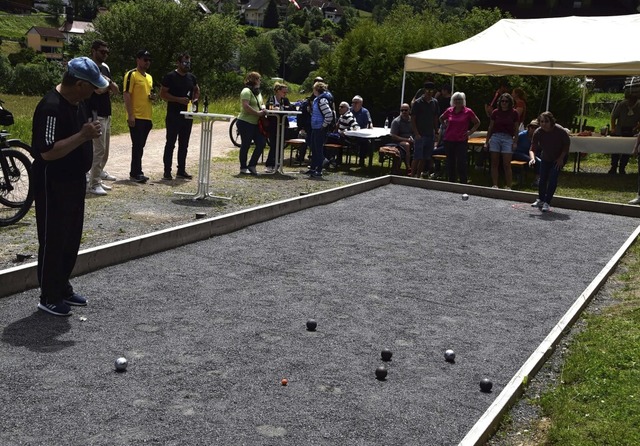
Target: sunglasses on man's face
column 404, row 109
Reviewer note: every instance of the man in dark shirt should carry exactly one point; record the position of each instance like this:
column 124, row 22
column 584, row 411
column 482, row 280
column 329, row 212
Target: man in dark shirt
column 62, row 134
column 179, row 88
column 99, row 105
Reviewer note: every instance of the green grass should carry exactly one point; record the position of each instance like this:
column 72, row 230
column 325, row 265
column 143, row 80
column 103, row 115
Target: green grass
column 15, row 26
column 598, row 399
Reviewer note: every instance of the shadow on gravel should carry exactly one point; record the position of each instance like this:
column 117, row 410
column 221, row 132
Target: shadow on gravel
column 208, row 203
column 38, row 332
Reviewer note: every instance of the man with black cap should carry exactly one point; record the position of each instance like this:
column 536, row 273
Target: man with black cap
column 138, row 95
column 62, row 146
column 425, row 113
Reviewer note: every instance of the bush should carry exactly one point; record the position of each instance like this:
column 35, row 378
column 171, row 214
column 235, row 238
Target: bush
column 35, row 79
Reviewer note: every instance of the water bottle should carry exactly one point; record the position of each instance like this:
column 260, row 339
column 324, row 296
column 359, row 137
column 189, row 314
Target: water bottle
column 386, row 123
column 194, row 106
column 205, row 105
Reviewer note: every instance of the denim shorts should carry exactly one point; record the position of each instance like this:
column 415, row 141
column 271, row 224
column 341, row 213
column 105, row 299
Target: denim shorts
column 501, row 143
column 423, row 148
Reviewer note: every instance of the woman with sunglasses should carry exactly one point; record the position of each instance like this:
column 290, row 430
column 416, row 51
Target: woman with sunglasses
column 502, row 138
column 551, row 142
column 278, row 101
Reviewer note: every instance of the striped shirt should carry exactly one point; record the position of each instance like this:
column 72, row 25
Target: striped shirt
column 347, row 122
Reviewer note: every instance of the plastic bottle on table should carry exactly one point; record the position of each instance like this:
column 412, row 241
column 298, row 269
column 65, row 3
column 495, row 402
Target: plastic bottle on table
column 386, row 123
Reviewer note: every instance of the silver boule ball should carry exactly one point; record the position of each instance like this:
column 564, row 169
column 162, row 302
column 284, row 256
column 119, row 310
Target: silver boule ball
column 465, row 197
column 449, row 355
column 121, row 364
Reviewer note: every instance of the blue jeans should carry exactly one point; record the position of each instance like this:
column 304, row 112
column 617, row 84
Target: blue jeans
column 548, row 181
column 249, row 133
column 318, row 137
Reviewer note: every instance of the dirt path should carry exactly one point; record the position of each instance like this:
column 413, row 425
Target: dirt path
column 120, row 151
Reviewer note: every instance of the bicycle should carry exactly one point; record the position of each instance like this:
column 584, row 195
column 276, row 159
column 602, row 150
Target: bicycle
column 16, row 195
column 234, row 133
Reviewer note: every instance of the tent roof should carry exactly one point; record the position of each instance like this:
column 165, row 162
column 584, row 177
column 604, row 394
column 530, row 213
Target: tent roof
column 571, row 46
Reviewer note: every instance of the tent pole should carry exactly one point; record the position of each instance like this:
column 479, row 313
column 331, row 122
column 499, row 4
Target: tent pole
column 404, row 77
column 453, row 81
column 584, row 95
column 548, row 93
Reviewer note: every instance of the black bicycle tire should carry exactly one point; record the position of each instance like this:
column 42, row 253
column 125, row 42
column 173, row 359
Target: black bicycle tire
column 22, row 207
column 233, row 130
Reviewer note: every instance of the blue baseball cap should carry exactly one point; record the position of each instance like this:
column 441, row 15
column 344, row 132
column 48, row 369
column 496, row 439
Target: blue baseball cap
column 87, row 70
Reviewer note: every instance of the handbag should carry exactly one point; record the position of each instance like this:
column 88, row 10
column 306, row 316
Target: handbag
column 263, row 122
column 263, row 126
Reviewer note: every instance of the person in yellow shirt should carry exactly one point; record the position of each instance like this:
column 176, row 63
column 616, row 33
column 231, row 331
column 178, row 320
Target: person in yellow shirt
column 138, row 96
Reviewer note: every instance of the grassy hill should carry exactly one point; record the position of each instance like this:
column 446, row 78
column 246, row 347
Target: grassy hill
column 14, row 26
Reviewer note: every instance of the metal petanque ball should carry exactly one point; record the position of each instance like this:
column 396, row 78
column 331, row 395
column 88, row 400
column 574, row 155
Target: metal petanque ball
column 465, row 197
column 485, row 385
column 449, row 355
column 121, row 365
column 386, row 354
column 381, row 373
column 311, row 325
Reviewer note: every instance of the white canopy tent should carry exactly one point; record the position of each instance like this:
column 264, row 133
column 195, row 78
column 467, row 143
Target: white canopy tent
column 564, row 46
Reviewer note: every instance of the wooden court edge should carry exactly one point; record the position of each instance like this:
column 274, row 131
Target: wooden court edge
column 24, row 277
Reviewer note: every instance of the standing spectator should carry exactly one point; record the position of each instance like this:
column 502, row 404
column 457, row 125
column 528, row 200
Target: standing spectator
column 551, row 142
column 363, row 118
column 523, row 146
column 99, row 105
column 456, row 121
column 424, row 122
column 444, row 97
column 625, row 118
column 179, row 88
column 322, row 119
column 492, row 104
column 62, row 134
column 402, row 133
column 138, row 95
column 520, row 104
column 278, row 101
column 636, row 149
column 502, row 137
column 252, row 109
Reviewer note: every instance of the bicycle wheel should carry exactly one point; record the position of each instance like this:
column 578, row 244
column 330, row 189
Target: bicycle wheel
column 234, row 133
column 16, row 195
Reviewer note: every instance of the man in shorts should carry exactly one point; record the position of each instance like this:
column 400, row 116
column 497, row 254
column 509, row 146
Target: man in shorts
column 424, row 121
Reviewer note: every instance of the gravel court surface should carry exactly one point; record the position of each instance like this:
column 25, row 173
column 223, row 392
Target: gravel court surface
column 209, row 329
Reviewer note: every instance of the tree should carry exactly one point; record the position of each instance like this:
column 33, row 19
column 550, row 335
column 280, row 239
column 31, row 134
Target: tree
column 284, row 43
column 166, row 29
column 55, row 8
column 271, row 16
column 300, row 63
column 259, row 55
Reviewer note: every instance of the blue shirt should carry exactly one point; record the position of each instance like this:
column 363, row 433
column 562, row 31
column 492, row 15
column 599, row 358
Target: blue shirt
column 524, row 142
column 363, row 118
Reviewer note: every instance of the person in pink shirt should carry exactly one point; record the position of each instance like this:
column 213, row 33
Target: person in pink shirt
column 456, row 121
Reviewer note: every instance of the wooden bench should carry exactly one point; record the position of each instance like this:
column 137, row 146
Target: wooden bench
column 520, row 167
column 294, row 144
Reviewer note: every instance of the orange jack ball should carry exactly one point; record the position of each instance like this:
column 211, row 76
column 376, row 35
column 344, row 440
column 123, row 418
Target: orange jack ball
column 284, row 381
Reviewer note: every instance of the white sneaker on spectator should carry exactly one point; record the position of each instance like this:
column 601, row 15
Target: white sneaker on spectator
column 105, row 186
column 97, row 190
column 270, row 170
column 635, row 200
column 537, row 204
column 494, row 187
column 107, row 176
column 507, row 188
column 545, row 207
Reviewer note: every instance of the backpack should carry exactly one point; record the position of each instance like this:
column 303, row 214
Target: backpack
column 303, row 120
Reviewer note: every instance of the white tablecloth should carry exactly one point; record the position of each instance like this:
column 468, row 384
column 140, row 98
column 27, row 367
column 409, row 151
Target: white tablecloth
column 601, row 144
column 374, row 133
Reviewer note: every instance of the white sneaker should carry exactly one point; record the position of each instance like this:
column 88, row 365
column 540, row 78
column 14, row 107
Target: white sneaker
column 545, row 207
column 635, row 200
column 107, row 176
column 245, row 172
column 270, row 170
column 537, row 204
column 97, row 190
column 105, row 186
column 507, row 188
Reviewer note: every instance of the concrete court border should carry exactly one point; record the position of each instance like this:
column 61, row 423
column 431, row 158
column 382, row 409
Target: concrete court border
column 24, row 277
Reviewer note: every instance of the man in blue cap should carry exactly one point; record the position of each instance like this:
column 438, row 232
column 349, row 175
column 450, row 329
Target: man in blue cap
column 62, row 146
